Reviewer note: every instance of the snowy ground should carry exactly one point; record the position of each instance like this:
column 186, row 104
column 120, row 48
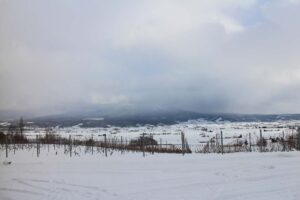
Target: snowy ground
column 161, row 176
column 197, row 132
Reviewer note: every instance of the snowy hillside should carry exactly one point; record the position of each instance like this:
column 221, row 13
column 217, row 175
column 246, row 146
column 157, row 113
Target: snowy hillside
column 62, row 172
column 243, row 176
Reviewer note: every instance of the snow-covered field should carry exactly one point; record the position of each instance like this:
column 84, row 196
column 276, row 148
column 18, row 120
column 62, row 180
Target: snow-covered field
column 197, row 132
column 160, row 176
column 128, row 176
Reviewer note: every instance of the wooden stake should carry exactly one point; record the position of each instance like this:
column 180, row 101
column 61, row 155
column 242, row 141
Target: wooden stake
column 70, row 145
column 250, row 147
column 143, row 144
column 105, row 145
column 222, row 147
column 6, row 146
column 261, row 140
column 182, row 143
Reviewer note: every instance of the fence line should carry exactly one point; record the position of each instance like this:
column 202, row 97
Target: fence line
column 146, row 144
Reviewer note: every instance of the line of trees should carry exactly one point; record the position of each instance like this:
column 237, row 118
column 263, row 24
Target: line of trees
column 15, row 133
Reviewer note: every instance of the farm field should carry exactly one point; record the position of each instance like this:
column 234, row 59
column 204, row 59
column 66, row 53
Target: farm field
column 198, row 133
column 160, row 176
column 87, row 173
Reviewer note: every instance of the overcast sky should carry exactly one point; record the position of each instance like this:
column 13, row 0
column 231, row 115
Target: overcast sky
column 238, row 56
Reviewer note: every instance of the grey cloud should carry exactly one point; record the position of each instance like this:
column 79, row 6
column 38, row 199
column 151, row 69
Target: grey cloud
column 205, row 56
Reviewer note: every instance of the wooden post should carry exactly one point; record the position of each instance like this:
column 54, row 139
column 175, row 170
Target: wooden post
column 260, row 140
column 166, row 144
column 47, row 141
column 122, row 144
column 6, row 146
column 105, row 144
column 92, row 144
column 222, row 147
column 182, row 143
column 143, row 144
column 14, row 146
column 217, row 143
column 70, row 145
column 160, row 143
column 283, row 141
column 37, row 146
column 152, row 145
column 186, row 144
column 250, row 147
column 298, row 139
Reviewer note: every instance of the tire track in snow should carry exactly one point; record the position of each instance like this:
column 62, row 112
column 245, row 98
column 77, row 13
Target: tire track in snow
column 21, row 191
column 60, row 189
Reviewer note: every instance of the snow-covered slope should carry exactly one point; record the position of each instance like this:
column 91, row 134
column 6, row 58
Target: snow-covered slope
column 244, row 176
